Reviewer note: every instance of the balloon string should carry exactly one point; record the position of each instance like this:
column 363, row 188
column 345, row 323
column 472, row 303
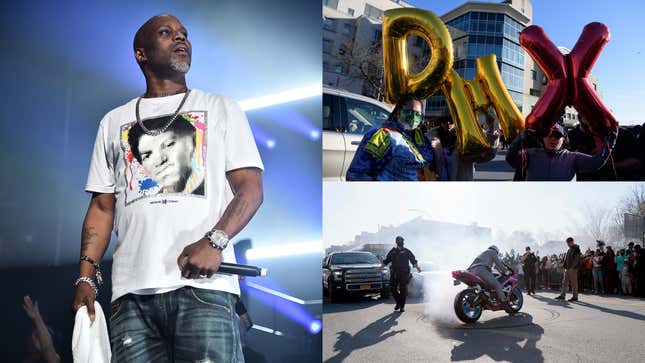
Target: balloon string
column 611, row 159
column 523, row 161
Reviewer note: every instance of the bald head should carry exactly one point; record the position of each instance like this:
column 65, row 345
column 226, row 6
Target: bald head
column 140, row 36
column 161, row 46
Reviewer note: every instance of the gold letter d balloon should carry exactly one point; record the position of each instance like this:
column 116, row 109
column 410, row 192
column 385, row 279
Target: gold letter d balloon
column 398, row 24
column 464, row 98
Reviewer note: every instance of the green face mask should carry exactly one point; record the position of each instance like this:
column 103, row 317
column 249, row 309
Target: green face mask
column 411, row 119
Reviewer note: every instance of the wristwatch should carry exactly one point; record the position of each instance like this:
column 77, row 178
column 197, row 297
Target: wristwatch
column 217, row 239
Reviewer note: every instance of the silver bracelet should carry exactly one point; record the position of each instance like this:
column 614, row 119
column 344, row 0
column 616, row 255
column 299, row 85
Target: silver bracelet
column 90, row 282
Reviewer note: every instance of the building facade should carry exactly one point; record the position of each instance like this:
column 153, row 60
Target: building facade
column 490, row 28
column 352, row 30
column 352, row 38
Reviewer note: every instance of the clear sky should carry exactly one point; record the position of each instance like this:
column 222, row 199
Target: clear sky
column 350, row 208
column 620, row 68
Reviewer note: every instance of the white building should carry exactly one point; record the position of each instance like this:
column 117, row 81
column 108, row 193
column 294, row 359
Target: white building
column 352, row 32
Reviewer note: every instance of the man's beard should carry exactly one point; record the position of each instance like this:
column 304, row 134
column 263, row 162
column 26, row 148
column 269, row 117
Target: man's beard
column 179, row 66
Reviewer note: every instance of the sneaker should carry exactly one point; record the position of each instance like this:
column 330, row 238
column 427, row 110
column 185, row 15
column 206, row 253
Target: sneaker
column 560, row 297
column 402, row 310
column 573, row 299
column 396, row 307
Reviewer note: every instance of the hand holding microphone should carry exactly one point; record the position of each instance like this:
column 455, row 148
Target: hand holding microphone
column 201, row 260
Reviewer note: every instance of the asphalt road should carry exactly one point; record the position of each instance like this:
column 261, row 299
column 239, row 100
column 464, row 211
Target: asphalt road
column 494, row 170
column 595, row 329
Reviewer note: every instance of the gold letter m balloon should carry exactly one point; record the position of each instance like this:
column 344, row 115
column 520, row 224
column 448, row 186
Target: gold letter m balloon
column 465, row 98
column 398, row 24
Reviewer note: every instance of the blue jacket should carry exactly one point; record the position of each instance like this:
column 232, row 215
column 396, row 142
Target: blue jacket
column 389, row 153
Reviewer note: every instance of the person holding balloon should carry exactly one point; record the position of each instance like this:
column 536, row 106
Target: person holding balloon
column 397, row 150
column 551, row 161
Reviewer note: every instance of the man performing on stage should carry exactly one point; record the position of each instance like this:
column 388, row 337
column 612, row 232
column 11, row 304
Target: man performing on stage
column 400, row 258
column 169, row 168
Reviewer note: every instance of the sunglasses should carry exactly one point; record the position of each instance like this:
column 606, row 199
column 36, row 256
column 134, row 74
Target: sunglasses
column 412, row 112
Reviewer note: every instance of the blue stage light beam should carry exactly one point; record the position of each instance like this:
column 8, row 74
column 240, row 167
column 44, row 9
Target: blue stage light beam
column 289, row 306
column 262, row 137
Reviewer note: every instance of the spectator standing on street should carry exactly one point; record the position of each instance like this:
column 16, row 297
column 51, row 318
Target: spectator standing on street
column 598, row 286
column 619, row 260
column 611, row 277
column 639, row 271
column 570, row 275
column 626, row 274
column 529, row 267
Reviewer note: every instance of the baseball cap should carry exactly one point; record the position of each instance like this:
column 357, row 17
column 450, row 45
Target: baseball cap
column 557, row 129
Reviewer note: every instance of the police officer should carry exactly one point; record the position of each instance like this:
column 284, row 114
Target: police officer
column 400, row 258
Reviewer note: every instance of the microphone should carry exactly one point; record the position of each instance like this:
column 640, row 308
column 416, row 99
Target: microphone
column 242, row 270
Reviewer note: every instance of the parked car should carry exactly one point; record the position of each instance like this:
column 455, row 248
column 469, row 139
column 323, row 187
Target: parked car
column 354, row 273
column 416, row 287
column 346, row 118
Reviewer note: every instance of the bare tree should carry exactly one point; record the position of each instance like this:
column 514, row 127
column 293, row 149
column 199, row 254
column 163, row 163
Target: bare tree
column 595, row 223
column 366, row 64
column 634, row 203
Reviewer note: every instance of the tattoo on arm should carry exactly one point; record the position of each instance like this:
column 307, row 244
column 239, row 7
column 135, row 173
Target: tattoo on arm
column 86, row 237
column 88, row 234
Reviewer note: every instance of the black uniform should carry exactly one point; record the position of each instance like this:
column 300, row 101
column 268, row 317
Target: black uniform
column 400, row 276
column 530, row 263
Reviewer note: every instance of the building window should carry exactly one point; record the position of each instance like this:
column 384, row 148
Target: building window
column 378, row 34
column 418, row 41
column 335, row 68
column 328, row 24
column 331, row 4
column 350, row 11
column 533, row 75
column 327, row 45
column 372, row 12
column 348, row 28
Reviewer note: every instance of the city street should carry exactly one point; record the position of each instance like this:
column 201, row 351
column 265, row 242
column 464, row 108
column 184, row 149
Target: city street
column 494, row 170
column 595, row 329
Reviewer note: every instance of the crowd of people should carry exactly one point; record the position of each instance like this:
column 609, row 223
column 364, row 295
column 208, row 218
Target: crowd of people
column 410, row 147
column 603, row 271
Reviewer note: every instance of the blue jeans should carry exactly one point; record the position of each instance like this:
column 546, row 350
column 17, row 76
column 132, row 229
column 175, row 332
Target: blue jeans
column 184, row 325
column 598, row 284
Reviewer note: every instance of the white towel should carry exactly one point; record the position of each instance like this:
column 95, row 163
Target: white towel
column 90, row 340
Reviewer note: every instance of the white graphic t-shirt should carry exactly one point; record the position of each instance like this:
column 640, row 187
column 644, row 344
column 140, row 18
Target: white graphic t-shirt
column 171, row 188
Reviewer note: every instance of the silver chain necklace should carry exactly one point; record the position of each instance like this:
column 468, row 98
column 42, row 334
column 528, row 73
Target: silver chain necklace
column 160, row 130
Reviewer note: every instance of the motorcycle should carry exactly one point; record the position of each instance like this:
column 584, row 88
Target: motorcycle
column 471, row 302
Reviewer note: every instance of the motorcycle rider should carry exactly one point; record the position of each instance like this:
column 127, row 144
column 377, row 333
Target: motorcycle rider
column 482, row 267
column 401, row 258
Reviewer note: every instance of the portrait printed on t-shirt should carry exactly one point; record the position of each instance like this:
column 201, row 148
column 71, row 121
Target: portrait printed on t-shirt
column 172, row 162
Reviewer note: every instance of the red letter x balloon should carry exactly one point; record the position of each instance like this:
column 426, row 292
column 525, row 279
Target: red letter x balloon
column 567, row 80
